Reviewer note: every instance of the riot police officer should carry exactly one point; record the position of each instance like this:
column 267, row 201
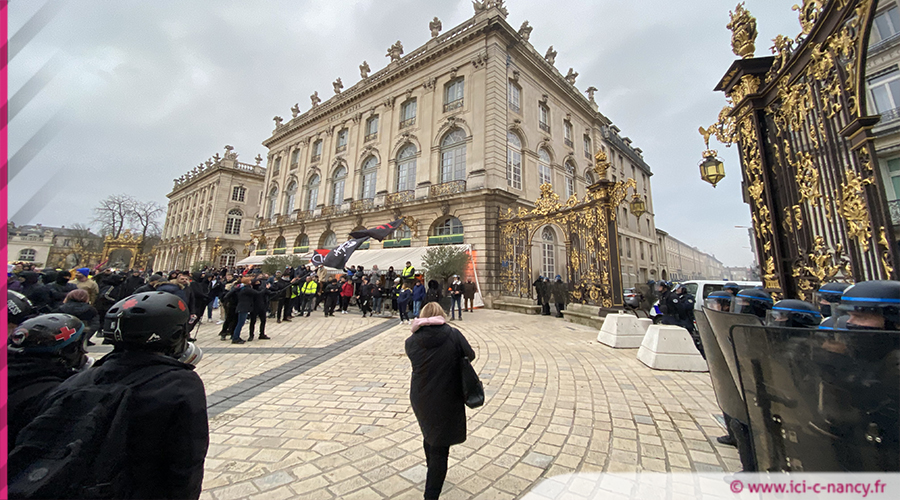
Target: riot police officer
column 732, row 288
column 792, row 313
column 828, row 297
column 872, row 305
column 719, row 300
column 752, row 301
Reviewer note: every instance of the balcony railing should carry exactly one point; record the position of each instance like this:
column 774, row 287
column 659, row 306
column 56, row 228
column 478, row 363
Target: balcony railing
column 301, row 249
column 261, row 251
column 452, row 187
column 330, row 210
column 569, row 143
column 403, row 242
column 515, row 107
column 315, row 158
column 364, row 246
column 294, row 165
column 544, row 127
column 399, row 197
column 894, row 209
column 588, row 155
column 889, row 116
column 448, row 239
column 303, row 215
column 408, row 122
column 450, row 106
column 362, row 204
column 279, row 251
column 341, row 148
column 371, row 137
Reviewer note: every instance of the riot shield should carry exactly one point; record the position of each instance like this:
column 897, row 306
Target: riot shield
column 721, row 323
column 821, row 401
column 724, row 384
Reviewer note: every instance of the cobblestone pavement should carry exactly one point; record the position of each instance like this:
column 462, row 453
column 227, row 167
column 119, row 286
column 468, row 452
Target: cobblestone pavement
column 322, row 411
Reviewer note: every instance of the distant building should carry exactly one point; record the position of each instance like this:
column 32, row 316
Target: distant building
column 54, row 247
column 210, row 213
column 681, row 261
column 739, row 273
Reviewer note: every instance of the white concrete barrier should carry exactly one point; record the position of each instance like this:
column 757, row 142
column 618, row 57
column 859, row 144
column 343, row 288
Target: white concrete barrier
column 667, row 347
column 623, row 331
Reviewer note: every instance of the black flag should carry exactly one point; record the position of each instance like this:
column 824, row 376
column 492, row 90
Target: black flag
column 338, row 257
column 378, row 233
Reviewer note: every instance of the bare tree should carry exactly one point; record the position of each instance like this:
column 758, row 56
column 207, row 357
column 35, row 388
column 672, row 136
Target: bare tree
column 83, row 237
column 144, row 218
column 114, row 214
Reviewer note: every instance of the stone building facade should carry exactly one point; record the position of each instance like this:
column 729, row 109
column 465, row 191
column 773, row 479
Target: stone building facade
column 54, row 247
column 883, row 98
column 211, row 212
column 471, row 123
column 680, row 261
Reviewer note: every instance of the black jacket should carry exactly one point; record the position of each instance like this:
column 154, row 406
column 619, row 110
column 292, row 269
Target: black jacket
column 436, row 385
column 36, row 292
column 30, row 379
column 131, row 284
column 246, row 298
column 168, row 433
column 199, row 288
column 83, row 311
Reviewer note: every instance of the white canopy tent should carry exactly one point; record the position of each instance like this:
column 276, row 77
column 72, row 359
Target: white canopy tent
column 253, row 260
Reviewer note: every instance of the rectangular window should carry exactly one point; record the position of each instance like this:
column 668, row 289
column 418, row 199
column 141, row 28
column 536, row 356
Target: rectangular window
column 408, row 114
column 570, row 186
column 371, row 128
column 544, row 119
column 885, row 91
column 621, row 247
column 237, row 194
column 514, row 168
column 341, row 141
column 887, row 24
column 544, row 173
column 894, row 171
column 276, row 165
column 453, row 94
column 295, row 159
column 316, row 151
column 652, row 250
column 515, row 97
column 625, row 221
column 567, row 128
column 628, row 247
column 641, row 246
column 587, row 147
column 369, row 185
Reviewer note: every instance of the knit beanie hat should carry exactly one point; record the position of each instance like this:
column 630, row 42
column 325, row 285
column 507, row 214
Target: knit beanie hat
column 84, row 271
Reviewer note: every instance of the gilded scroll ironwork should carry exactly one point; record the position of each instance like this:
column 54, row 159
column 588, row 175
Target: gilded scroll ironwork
column 589, row 225
column 817, row 209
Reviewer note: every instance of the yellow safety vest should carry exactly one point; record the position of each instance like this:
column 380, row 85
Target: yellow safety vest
column 310, row 287
column 409, row 272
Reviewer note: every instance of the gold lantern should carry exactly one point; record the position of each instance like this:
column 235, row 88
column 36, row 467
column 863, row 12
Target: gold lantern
column 638, row 206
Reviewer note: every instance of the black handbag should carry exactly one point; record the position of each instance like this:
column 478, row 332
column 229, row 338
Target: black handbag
column 472, row 388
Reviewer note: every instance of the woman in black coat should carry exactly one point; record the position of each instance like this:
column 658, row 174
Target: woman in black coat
column 434, row 350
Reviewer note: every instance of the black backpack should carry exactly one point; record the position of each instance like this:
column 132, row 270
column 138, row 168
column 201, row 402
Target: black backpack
column 77, row 446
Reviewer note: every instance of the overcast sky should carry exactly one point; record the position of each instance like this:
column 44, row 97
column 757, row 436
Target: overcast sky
column 146, row 90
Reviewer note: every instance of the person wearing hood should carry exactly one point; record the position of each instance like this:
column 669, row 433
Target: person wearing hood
column 546, row 292
column 110, row 292
column 39, row 295
column 61, row 285
column 76, row 305
column 199, row 288
column 48, row 278
column 560, row 294
column 434, row 350
column 132, row 283
column 433, row 294
column 39, row 360
column 538, row 286
column 83, row 282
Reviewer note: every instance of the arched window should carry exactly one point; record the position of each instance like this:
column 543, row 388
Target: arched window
column 226, row 258
column 548, row 253
column 263, row 244
column 290, row 196
column 273, row 197
column 589, row 178
column 329, row 241
column 312, row 192
column 369, row 174
column 570, row 179
column 233, row 222
column 302, row 241
column 513, row 161
column 27, row 254
column 337, row 186
column 280, row 243
column 406, row 168
column 450, row 226
column 453, row 156
column 544, row 176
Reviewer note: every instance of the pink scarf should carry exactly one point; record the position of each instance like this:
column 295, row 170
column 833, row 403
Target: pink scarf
column 420, row 322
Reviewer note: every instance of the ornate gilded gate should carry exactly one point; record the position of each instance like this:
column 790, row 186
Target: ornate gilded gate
column 806, row 147
column 592, row 256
